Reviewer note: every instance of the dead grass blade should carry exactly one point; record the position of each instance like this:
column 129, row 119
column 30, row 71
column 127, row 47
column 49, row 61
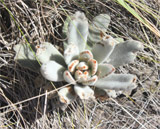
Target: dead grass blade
column 129, row 113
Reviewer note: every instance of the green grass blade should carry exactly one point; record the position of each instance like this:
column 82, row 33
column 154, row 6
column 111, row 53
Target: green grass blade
column 140, row 18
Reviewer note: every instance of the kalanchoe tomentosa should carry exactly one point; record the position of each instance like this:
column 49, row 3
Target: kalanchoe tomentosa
column 84, row 67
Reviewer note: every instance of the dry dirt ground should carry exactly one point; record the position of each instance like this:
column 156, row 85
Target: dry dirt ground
column 24, row 104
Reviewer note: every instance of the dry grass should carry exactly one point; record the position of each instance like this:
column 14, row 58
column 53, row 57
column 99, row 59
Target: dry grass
column 24, row 105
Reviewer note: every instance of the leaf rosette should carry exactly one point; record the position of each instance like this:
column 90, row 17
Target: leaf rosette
column 89, row 60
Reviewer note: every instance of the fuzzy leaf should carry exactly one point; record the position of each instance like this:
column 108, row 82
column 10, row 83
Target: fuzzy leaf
column 78, row 30
column 84, row 92
column 98, row 28
column 117, row 82
column 102, row 21
column 80, row 76
column 25, row 56
column 113, row 93
column 101, row 51
column 68, row 77
column 82, row 66
column 47, row 52
column 93, row 64
column 104, row 70
column 71, row 53
column 124, row 53
column 52, row 71
column 67, row 95
column 72, row 65
column 90, row 81
column 85, row 55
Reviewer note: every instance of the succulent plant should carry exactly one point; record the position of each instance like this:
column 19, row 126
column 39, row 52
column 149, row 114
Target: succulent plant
column 89, row 69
